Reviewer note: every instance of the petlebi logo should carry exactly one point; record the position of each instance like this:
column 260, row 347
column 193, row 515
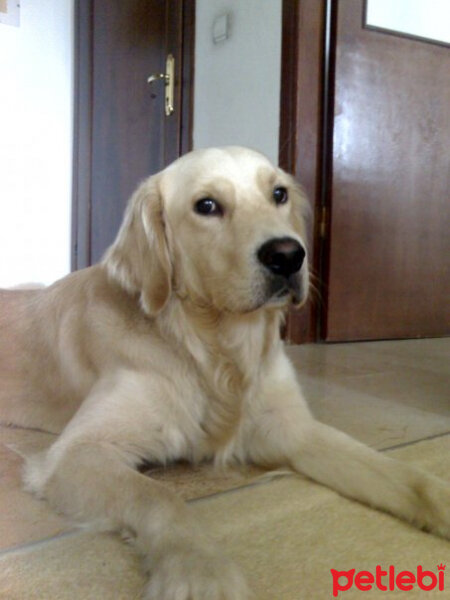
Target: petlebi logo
column 388, row 579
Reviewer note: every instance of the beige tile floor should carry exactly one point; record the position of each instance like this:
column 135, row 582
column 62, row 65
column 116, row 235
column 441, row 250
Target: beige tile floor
column 386, row 394
column 383, row 393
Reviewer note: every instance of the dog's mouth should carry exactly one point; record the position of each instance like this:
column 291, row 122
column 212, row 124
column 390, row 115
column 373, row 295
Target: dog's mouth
column 284, row 290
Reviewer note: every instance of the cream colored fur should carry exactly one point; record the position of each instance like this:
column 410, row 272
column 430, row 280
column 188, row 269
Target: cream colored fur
column 170, row 349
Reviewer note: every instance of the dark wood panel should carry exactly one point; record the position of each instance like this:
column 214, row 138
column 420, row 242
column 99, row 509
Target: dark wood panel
column 187, row 77
column 389, row 268
column 301, row 131
column 81, row 191
column 129, row 45
column 289, row 82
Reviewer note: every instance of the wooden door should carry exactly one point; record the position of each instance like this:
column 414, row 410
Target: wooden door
column 122, row 133
column 389, row 252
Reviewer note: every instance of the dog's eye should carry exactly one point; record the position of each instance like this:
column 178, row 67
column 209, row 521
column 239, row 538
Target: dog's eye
column 280, row 195
column 208, row 207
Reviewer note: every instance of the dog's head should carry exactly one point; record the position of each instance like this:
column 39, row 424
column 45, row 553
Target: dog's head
column 222, row 227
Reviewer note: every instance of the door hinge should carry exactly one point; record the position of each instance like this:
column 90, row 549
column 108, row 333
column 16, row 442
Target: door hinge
column 323, row 223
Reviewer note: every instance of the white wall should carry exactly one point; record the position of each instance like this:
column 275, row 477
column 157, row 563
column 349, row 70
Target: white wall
column 36, row 74
column 237, row 82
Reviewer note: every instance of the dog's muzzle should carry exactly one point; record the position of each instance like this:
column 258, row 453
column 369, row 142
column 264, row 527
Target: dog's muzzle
column 283, row 259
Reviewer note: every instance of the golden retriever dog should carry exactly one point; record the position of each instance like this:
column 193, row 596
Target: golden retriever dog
column 170, row 349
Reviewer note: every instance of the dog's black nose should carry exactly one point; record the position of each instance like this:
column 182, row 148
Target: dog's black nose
column 282, row 256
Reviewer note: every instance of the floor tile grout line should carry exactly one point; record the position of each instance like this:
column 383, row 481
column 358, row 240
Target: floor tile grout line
column 260, row 480
column 74, row 532
column 42, row 542
column 413, row 442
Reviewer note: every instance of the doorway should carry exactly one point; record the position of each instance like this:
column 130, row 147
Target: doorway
column 123, row 132
column 372, row 116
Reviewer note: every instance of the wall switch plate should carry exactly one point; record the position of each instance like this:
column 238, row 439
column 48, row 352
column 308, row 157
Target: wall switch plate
column 221, row 29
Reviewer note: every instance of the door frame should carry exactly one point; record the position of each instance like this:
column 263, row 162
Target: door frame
column 306, row 136
column 83, row 108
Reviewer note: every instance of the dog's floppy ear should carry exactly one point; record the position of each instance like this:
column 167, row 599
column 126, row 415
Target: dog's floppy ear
column 139, row 258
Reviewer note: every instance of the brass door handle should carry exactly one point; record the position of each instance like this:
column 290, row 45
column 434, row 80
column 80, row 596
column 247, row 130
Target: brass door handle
column 169, row 81
column 156, row 77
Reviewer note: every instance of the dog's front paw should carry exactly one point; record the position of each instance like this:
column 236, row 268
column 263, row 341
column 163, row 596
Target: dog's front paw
column 193, row 574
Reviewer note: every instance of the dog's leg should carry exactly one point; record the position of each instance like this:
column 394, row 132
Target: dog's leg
column 338, row 461
column 279, row 430
column 89, row 474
